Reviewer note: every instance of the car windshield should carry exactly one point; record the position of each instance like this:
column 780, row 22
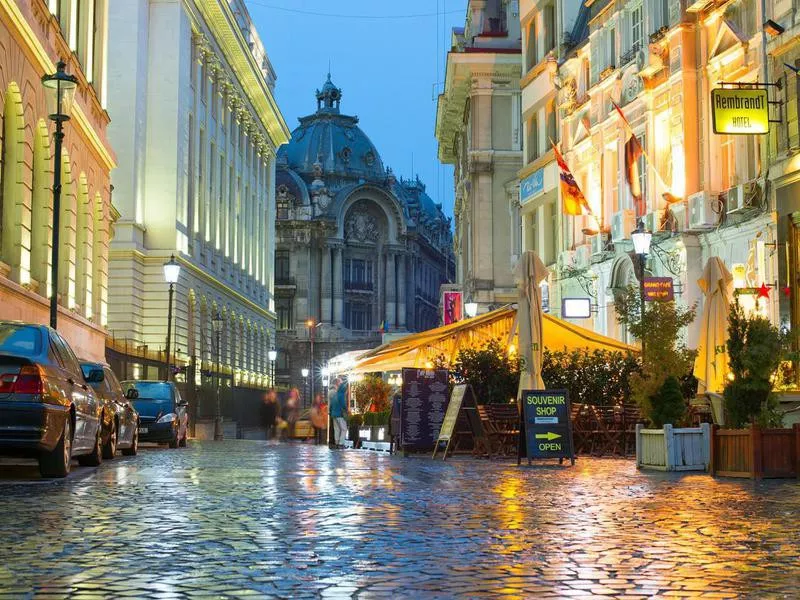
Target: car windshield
column 20, row 339
column 150, row 390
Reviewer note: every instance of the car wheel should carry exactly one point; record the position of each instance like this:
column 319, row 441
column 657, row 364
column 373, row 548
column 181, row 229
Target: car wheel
column 110, row 447
column 56, row 463
column 94, row 458
column 134, row 447
column 173, row 443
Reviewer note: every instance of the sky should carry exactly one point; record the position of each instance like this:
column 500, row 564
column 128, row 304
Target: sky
column 389, row 68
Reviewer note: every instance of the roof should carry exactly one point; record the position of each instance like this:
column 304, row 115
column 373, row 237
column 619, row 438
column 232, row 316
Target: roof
column 419, row 350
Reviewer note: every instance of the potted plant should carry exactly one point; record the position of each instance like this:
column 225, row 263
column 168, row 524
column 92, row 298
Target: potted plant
column 354, row 422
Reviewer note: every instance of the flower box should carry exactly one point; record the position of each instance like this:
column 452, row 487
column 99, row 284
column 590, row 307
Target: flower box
column 673, row 449
column 755, row 452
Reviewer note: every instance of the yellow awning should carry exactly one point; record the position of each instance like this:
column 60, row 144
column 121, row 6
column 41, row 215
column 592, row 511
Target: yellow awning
column 420, row 350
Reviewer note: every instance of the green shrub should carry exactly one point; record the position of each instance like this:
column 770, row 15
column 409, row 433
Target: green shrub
column 355, row 420
column 667, row 405
column 372, row 394
column 377, row 419
column 597, row 378
column 490, row 370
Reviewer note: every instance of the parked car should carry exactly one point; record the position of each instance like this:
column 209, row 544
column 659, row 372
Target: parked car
column 48, row 410
column 120, row 421
column 163, row 417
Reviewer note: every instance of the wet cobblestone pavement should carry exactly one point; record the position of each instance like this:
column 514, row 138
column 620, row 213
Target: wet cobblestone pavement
column 238, row 519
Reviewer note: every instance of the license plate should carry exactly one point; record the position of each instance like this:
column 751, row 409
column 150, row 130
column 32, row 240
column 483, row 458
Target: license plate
column 143, row 430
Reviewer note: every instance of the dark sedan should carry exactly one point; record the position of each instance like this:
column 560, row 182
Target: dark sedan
column 47, row 408
column 162, row 412
column 120, row 419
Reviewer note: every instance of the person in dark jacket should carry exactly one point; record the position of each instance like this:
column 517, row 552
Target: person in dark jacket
column 269, row 412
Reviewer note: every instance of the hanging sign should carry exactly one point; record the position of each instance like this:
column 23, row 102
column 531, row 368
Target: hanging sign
column 546, row 426
column 740, row 111
column 658, row 289
column 576, row 308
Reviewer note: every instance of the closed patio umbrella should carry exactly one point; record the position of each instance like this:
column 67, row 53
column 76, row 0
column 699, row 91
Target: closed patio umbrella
column 711, row 364
column 530, row 273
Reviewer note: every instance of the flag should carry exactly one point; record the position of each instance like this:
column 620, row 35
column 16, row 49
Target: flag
column 384, row 327
column 574, row 201
column 633, row 150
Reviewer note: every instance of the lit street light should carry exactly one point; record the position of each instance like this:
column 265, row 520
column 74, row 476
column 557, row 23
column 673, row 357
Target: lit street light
column 172, row 271
column 59, row 89
column 641, row 246
column 312, row 328
column 304, row 373
column 216, row 324
column 272, row 354
column 471, row 309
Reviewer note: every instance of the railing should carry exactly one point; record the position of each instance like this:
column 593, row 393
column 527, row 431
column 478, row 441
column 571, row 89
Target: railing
column 658, row 34
column 285, row 280
column 359, row 286
column 630, row 54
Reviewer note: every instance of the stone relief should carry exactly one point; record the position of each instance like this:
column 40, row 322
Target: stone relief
column 362, row 227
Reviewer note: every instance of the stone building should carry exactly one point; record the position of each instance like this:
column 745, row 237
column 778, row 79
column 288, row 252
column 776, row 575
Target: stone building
column 196, row 127
column 359, row 252
column 34, row 35
column 479, row 131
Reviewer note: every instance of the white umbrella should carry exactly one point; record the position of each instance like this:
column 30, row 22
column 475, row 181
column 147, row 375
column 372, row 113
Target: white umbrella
column 530, row 273
column 711, row 364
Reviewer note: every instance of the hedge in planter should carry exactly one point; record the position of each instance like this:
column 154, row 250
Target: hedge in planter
column 597, row 378
column 492, row 372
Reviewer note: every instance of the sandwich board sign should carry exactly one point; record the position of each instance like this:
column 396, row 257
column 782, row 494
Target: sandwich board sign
column 546, row 428
column 461, row 399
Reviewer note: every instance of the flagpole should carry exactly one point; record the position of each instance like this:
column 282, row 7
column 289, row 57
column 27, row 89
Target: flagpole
column 649, row 162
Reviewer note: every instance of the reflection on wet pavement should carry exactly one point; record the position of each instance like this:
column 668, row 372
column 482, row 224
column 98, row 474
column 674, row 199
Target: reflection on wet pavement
column 238, row 519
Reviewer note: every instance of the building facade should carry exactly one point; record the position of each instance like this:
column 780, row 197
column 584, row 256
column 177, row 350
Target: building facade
column 704, row 194
column 359, row 252
column 479, row 131
column 34, row 35
column 196, row 127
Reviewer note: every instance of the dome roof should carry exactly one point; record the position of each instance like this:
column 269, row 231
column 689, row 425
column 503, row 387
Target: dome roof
column 332, row 142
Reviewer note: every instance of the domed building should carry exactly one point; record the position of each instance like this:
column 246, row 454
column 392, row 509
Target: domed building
column 358, row 252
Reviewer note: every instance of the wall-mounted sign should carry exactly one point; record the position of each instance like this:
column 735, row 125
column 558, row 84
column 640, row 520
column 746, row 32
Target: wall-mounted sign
column 453, row 307
column 658, row 289
column 532, row 185
column 576, row 308
column 740, row 111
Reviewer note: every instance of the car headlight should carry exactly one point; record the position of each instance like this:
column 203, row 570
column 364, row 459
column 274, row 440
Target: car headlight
column 167, row 418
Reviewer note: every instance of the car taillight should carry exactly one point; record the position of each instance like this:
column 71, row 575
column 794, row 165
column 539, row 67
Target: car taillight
column 29, row 381
column 7, row 381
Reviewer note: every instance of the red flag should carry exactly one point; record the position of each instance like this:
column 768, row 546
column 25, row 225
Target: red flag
column 633, row 150
column 574, row 201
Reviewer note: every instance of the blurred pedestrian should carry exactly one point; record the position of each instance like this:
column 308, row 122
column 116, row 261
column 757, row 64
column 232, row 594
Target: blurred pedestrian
column 269, row 412
column 338, row 411
column 291, row 411
column 319, row 419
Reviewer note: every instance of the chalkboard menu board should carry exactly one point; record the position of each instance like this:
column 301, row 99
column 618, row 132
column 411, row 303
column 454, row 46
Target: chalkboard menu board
column 422, row 408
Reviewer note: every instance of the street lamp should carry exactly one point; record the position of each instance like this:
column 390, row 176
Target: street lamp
column 304, row 373
column 272, row 354
column 216, row 324
column 59, row 91
column 312, row 328
column 172, row 271
column 326, row 377
column 641, row 246
column 471, row 309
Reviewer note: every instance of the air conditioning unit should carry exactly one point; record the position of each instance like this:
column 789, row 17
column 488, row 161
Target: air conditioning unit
column 735, row 199
column 598, row 243
column 701, row 211
column 653, row 220
column 623, row 223
column 583, row 257
column 566, row 258
column 680, row 213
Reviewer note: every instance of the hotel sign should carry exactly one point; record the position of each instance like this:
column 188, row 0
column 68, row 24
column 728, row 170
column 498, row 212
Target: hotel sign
column 531, row 186
column 740, row 111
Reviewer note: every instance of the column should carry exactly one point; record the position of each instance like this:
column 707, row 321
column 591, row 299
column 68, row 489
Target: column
column 326, row 312
column 391, row 291
column 338, row 288
column 401, row 291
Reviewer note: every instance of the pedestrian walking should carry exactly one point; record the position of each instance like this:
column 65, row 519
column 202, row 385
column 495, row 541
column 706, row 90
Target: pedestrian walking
column 319, row 419
column 291, row 411
column 269, row 412
column 338, row 411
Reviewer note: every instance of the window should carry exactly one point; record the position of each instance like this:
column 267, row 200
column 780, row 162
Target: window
column 610, row 47
column 282, row 268
column 643, row 172
column 549, row 28
column 283, row 308
column 19, row 339
column 637, row 23
column 530, row 48
column 552, row 134
column 358, row 316
column 533, row 138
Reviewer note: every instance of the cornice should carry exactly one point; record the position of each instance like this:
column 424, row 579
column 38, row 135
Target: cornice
column 46, row 65
column 218, row 16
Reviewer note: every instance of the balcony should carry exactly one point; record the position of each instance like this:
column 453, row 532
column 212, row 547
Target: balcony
column 285, row 281
column 358, row 286
column 630, row 55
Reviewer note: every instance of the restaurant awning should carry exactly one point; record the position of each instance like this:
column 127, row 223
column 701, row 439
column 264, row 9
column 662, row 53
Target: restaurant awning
column 420, row 350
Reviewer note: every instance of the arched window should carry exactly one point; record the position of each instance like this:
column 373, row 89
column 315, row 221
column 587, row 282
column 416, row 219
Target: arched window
column 42, row 209
column 67, row 233
column 100, row 261
column 84, row 252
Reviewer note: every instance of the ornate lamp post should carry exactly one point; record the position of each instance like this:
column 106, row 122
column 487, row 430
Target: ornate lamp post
column 217, row 323
column 172, row 270
column 641, row 246
column 59, row 89
column 272, row 354
column 312, row 328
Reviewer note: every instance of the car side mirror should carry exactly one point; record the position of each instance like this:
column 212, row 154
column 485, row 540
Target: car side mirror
column 132, row 394
column 95, row 376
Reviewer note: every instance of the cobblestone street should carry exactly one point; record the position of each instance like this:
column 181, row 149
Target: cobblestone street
column 238, row 519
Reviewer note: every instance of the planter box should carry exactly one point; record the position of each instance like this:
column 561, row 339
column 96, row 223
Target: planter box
column 755, row 452
column 671, row 449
